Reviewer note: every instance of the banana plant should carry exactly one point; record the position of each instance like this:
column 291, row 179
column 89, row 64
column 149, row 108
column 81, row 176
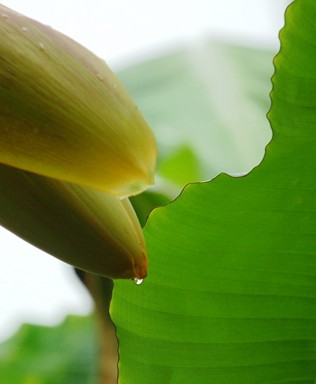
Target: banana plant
column 230, row 294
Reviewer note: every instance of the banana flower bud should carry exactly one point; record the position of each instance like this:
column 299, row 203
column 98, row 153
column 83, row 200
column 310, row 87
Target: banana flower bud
column 63, row 114
column 88, row 229
column 73, row 145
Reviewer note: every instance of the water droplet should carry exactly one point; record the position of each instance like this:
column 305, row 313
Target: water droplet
column 99, row 76
column 137, row 281
column 24, row 29
column 4, row 15
column 42, row 46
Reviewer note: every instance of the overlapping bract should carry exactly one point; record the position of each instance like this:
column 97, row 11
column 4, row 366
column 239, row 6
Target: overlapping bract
column 73, row 146
column 65, row 115
column 86, row 228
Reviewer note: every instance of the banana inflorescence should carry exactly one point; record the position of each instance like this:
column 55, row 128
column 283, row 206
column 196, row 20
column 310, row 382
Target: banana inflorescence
column 73, row 147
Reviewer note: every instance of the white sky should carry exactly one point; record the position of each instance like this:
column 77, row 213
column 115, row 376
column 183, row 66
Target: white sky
column 35, row 287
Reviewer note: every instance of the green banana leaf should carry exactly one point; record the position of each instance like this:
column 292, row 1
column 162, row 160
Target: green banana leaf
column 231, row 291
column 49, row 355
column 206, row 104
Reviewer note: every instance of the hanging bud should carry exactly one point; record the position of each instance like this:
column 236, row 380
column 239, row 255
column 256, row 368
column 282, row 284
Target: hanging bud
column 63, row 113
column 90, row 230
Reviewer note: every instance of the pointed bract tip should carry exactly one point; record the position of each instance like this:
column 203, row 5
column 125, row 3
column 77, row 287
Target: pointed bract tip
column 140, row 269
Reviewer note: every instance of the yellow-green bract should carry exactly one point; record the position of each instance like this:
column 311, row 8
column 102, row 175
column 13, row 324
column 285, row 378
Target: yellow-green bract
column 63, row 113
column 88, row 229
column 73, row 145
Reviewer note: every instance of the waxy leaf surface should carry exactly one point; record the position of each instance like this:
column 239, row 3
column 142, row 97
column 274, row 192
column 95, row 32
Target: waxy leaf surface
column 231, row 291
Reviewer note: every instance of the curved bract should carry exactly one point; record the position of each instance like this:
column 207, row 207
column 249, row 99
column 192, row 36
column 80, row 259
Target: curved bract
column 73, row 145
column 88, row 229
column 63, row 113
column 231, row 297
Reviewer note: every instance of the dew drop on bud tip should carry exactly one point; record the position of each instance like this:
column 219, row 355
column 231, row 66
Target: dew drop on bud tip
column 137, row 281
